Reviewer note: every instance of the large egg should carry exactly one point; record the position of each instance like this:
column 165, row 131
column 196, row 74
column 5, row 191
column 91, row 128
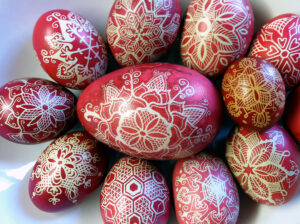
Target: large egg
column 254, row 93
column 292, row 113
column 35, row 110
column 204, row 191
column 153, row 111
column 215, row 34
column 266, row 164
column 134, row 191
column 142, row 31
column 68, row 170
column 278, row 43
column 69, row 48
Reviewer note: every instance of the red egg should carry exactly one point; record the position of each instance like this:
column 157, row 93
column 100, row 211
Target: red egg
column 35, row 110
column 142, row 31
column 204, row 191
column 266, row 164
column 292, row 113
column 134, row 191
column 69, row 48
column 254, row 93
column 278, row 43
column 69, row 170
column 153, row 111
column 215, row 34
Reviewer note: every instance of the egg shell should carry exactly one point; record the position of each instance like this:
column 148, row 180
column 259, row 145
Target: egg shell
column 266, row 164
column 35, row 110
column 292, row 113
column 278, row 43
column 142, row 31
column 153, row 111
column 69, row 48
column 67, row 171
column 134, row 191
column 254, row 93
column 215, row 34
column 204, row 191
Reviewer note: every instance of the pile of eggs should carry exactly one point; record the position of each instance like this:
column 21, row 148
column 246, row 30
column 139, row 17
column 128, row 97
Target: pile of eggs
column 158, row 111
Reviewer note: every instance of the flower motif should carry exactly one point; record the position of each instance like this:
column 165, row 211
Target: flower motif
column 145, row 130
column 43, row 108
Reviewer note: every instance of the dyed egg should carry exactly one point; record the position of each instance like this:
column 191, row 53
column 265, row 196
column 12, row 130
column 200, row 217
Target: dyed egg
column 69, row 170
column 278, row 43
column 134, row 191
column 266, row 164
column 292, row 113
column 215, row 34
column 142, row 31
column 35, row 110
column 69, row 48
column 204, row 191
column 153, row 111
column 254, row 93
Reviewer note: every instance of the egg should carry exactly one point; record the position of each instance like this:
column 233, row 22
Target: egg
column 134, row 191
column 254, row 93
column 153, row 111
column 266, row 164
column 67, row 171
column 142, row 31
column 35, row 110
column 292, row 113
column 215, row 34
column 204, row 191
column 278, row 42
column 69, row 48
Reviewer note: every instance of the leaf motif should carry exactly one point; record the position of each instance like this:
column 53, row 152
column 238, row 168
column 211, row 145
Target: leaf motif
column 223, row 39
column 158, row 83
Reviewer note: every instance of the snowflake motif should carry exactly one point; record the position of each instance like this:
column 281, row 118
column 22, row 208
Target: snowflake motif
column 77, row 37
column 146, row 115
column 43, row 108
column 278, row 42
column 259, row 165
column 128, row 197
column 205, row 192
column 140, row 34
column 64, row 167
column 215, row 34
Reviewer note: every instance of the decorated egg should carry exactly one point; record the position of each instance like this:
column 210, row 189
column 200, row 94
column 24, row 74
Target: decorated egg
column 278, row 43
column 35, row 110
column 215, row 34
column 154, row 111
column 142, row 31
column 292, row 113
column 266, row 164
column 69, row 48
column 254, row 93
column 69, row 170
column 134, row 191
column 204, row 191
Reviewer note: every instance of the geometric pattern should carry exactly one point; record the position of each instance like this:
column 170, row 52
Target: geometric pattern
column 134, row 192
column 142, row 31
column 204, row 191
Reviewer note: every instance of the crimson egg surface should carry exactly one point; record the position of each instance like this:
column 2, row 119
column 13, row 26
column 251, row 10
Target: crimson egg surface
column 266, row 164
column 292, row 113
column 204, row 191
column 142, row 31
column 254, row 93
column 215, row 34
column 134, row 191
column 69, row 48
column 154, row 111
column 35, row 110
column 278, row 43
column 68, row 170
